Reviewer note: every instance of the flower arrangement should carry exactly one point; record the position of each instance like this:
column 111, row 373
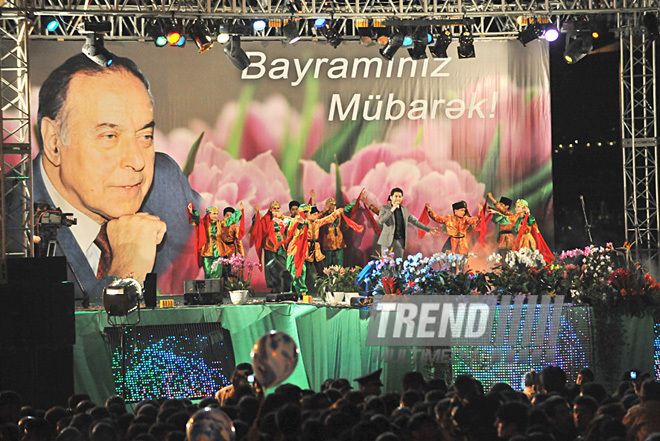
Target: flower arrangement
column 240, row 271
column 338, row 279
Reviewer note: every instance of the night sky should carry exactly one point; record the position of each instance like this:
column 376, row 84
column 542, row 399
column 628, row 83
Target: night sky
column 585, row 107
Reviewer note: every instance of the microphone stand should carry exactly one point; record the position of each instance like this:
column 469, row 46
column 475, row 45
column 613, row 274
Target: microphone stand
column 586, row 220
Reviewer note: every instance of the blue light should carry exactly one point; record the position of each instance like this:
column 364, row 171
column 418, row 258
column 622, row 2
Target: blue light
column 407, row 41
column 52, row 25
column 161, row 41
column 319, row 22
column 109, row 62
column 181, row 41
column 259, row 25
column 429, row 38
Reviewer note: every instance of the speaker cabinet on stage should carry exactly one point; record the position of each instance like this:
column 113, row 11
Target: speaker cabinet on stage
column 203, row 292
column 37, row 331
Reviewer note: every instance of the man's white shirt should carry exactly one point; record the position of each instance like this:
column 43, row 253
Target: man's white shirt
column 86, row 229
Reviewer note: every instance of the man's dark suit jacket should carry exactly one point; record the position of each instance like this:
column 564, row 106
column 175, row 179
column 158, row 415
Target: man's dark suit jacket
column 169, row 194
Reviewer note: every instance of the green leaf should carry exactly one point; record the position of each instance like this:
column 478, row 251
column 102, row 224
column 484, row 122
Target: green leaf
column 339, row 195
column 337, row 143
column 296, row 147
column 488, row 173
column 236, row 135
column 192, row 154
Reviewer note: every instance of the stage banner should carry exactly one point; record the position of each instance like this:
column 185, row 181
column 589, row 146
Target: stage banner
column 309, row 117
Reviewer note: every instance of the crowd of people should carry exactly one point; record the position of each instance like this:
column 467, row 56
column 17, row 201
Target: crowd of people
column 547, row 409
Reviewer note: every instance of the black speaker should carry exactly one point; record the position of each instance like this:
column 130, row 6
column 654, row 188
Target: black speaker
column 37, row 331
column 281, row 278
column 150, row 283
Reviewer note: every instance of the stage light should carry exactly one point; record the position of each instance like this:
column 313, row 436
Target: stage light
column 237, row 55
column 52, row 25
column 407, row 41
column 122, row 297
column 595, row 34
column 366, row 32
column 223, row 34
column 393, row 45
column 319, row 23
column 531, row 32
column 551, row 33
column 577, row 48
column 95, row 50
column 420, row 42
column 466, row 44
column 442, row 42
column 291, row 33
column 155, row 30
column 175, row 35
column 201, row 36
column 329, row 32
column 259, row 25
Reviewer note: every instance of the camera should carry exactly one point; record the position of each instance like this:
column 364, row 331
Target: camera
column 57, row 219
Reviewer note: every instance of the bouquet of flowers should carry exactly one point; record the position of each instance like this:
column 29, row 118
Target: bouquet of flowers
column 240, row 271
column 338, row 279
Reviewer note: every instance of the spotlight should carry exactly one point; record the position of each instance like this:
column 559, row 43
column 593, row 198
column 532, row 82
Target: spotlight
column 155, row 30
column 551, row 33
column 52, row 25
column 223, row 34
column 466, row 44
column 329, row 32
column 577, row 48
column 259, row 25
column 651, row 25
column 442, row 42
column 175, row 35
column 531, row 32
column 366, row 32
column 319, row 23
column 122, row 297
column 201, row 36
column 235, row 54
column 95, row 51
column 291, row 33
column 393, row 45
column 407, row 41
column 420, row 41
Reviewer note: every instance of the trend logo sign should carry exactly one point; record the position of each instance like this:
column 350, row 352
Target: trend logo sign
column 528, row 323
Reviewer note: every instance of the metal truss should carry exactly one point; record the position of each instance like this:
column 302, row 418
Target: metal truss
column 639, row 135
column 15, row 157
column 130, row 18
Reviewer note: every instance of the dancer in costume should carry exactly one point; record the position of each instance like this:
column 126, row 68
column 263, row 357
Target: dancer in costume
column 268, row 234
column 526, row 232
column 456, row 225
column 331, row 235
column 216, row 238
column 303, row 232
column 504, row 218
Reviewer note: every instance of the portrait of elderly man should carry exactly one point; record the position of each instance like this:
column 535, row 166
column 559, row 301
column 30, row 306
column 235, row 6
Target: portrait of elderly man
column 98, row 161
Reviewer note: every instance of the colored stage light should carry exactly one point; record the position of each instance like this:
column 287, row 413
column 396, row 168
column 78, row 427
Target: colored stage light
column 319, row 22
column 595, row 34
column 95, row 50
column 466, row 44
column 201, row 36
column 52, row 25
column 259, row 25
column 442, row 42
column 551, row 34
column 407, row 40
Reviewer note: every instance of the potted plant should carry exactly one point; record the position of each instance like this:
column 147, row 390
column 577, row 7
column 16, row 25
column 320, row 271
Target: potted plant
column 337, row 282
column 237, row 281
